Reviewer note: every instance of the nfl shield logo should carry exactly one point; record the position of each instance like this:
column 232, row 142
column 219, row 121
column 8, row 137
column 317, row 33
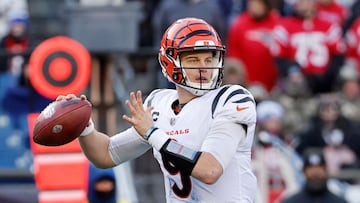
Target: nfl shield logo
column 172, row 121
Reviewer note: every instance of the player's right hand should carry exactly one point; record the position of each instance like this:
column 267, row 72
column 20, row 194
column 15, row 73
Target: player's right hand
column 82, row 97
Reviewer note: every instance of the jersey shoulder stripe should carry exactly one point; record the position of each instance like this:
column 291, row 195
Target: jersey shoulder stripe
column 237, row 91
column 151, row 96
column 216, row 100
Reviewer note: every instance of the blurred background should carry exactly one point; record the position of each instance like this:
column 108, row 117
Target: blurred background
column 299, row 58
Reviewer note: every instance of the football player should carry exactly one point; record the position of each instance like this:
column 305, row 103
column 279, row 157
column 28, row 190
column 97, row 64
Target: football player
column 201, row 133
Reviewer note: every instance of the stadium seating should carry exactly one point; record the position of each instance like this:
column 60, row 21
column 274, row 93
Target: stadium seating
column 5, row 81
column 14, row 149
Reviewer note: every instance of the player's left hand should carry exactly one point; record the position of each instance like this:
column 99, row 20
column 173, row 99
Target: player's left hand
column 140, row 118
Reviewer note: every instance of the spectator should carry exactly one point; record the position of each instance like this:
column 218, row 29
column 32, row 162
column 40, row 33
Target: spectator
column 250, row 41
column 10, row 9
column 352, row 39
column 278, row 170
column 293, row 93
column 102, row 185
column 313, row 45
column 332, row 11
column 259, row 92
column 14, row 45
column 270, row 118
column 233, row 72
column 349, row 92
column 21, row 98
column 315, row 189
column 280, row 6
column 332, row 132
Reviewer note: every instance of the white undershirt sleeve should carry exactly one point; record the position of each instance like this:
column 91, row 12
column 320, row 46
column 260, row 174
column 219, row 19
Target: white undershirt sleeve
column 223, row 140
column 127, row 145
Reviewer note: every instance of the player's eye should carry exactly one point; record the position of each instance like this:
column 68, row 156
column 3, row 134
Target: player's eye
column 192, row 61
column 209, row 61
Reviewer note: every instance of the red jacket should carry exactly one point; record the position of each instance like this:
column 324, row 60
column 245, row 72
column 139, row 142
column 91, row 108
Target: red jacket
column 250, row 41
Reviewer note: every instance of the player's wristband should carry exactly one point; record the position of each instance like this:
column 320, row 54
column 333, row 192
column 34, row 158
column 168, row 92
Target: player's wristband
column 88, row 129
column 150, row 132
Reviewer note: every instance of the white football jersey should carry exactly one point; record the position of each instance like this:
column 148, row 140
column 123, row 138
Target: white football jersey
column 190, row 128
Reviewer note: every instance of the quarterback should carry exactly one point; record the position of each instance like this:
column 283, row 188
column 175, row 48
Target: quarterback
column 201, row 133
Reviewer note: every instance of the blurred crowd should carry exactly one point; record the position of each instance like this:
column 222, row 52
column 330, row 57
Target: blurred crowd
column 299, row 58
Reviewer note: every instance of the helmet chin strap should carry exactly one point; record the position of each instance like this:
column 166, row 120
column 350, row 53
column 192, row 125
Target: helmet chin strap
column 200, row 89
column 192, row 90
column 208, row 85
column 196, row 88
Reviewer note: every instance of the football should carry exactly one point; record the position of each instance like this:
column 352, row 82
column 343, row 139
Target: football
column 61, row 122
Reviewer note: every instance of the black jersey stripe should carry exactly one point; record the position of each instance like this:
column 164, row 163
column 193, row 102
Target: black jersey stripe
column 216, row 100
column 233, row 93
column 243, row 100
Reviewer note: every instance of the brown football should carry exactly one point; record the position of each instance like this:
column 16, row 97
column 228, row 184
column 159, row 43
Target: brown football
column 61, row 122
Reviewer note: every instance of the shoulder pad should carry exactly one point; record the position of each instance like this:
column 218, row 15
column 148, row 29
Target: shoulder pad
column 236, row 103
column 150, row 97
